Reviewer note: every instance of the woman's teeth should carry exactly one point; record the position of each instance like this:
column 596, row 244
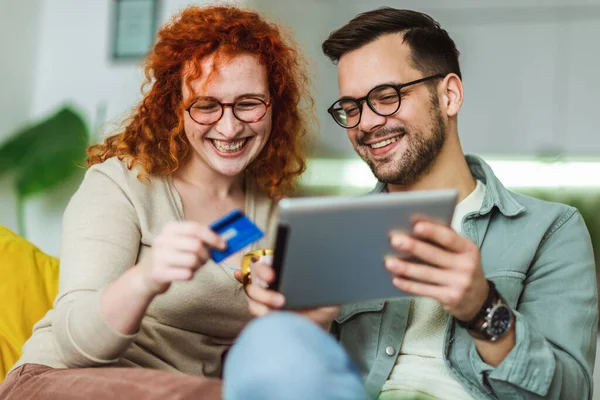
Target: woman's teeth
column 385, row 142
column 229, row 146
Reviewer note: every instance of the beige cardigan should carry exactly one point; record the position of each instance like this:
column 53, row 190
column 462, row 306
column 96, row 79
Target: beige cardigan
column 108, row 227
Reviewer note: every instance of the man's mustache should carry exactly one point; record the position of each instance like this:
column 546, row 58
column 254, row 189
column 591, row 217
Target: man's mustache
column 380, row 134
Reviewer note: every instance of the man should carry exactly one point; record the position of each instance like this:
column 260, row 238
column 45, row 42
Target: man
column 505, row 303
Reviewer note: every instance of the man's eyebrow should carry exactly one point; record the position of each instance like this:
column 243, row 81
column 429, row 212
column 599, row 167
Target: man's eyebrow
column 390, row 83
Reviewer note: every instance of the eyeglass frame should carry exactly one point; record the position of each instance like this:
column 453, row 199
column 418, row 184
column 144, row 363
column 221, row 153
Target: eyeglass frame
column 267, row 104
column 365, row 99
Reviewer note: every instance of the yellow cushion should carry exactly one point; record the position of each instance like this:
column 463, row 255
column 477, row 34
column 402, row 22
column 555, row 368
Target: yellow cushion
column 28, row 286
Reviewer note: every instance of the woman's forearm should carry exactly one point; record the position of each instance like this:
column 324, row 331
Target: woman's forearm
column 124, row 302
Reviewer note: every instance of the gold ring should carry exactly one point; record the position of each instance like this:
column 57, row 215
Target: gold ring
column 248, row 259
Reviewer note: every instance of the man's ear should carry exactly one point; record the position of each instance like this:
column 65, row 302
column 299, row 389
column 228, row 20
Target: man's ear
column 451, row 96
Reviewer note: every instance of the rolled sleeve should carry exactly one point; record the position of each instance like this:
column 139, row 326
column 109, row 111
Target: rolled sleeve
column 86, row 338
column 556, row 322
column 529, row 365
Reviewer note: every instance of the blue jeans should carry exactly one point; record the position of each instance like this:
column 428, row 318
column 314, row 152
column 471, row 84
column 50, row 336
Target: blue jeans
column 285, row 356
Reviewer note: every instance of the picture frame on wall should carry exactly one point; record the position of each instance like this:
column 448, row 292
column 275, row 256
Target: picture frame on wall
column 135, row 24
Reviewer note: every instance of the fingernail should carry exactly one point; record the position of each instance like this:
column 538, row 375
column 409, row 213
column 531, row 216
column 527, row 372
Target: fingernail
column 390, row 262
column 280, row 300
column 419, row 228
column 399, row 241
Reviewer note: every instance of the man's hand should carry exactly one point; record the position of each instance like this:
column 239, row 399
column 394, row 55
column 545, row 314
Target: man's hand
column 449, row 271
column 262, row 300
column 448, row 268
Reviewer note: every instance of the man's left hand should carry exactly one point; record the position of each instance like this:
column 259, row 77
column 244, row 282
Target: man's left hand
column 447, row 268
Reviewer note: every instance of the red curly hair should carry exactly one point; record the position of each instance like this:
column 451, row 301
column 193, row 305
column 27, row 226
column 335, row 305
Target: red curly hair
column 154, row 135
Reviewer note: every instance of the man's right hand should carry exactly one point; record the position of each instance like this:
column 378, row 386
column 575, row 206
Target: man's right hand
column 262, row 300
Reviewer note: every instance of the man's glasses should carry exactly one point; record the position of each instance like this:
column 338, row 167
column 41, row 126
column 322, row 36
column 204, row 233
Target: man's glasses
column 207, row 110
column 384, row 100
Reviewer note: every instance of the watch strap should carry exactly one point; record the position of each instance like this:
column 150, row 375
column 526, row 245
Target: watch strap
column 477, row 326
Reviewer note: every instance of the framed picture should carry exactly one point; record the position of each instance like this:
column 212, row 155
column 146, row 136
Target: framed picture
column 134, row 28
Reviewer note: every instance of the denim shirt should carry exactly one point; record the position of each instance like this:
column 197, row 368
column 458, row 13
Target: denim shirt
column 539, row 255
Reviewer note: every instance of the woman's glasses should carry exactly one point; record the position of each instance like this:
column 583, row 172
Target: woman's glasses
column 208, row 110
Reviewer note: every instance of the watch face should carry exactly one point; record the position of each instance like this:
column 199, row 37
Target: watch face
column 500, row 321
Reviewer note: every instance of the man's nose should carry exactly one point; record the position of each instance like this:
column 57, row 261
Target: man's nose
column 370, row 120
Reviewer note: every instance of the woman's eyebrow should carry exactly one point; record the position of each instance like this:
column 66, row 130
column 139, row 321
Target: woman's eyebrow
column 258, row 95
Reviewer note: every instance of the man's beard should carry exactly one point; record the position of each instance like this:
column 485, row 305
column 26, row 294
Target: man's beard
column 419, row 155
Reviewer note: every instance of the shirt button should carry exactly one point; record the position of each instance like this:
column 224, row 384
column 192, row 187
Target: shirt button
column 390, row 351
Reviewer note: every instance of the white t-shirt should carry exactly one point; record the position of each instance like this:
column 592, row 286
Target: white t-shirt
column 420, row 367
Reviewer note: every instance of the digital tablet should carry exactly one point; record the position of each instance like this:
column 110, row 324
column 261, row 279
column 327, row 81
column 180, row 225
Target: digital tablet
column 330, row 250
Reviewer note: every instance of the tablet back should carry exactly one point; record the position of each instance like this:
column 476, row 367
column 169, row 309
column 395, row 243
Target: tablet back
column 330, row 250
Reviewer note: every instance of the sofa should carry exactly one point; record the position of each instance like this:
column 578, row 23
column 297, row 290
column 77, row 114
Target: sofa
column 28, row 287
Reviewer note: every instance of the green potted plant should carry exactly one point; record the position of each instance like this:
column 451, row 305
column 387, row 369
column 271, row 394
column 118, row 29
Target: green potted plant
column 44, row 155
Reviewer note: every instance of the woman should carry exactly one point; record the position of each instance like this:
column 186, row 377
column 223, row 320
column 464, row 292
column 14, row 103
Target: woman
column 221, row 128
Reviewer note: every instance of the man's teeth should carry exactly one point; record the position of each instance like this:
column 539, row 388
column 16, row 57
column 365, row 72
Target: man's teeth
column 385, row 142
column 230, row 146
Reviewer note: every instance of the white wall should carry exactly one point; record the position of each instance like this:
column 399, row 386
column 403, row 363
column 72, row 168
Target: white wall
column 75, row 63
column 74, row 67
column 19, row 32
column 529, row 68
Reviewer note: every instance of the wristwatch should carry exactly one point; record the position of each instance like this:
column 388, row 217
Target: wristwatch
column 493, row 320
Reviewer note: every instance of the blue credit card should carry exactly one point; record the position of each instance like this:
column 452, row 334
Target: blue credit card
column 238, row 231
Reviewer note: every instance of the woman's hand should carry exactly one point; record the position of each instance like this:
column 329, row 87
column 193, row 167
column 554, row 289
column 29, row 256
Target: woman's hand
column 262, row 300
column 177, row 253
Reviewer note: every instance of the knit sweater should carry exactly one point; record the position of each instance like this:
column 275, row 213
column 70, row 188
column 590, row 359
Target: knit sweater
column 108, row 227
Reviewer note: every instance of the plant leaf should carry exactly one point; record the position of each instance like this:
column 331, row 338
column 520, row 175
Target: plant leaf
column 15, row 149
column 46, row 172
column 47, row 153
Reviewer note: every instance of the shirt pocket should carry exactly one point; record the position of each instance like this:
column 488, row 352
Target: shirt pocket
column 509, row 284
column 359, row 325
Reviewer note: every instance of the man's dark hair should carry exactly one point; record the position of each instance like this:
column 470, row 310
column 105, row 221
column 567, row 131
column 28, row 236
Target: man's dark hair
column 432, row 49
